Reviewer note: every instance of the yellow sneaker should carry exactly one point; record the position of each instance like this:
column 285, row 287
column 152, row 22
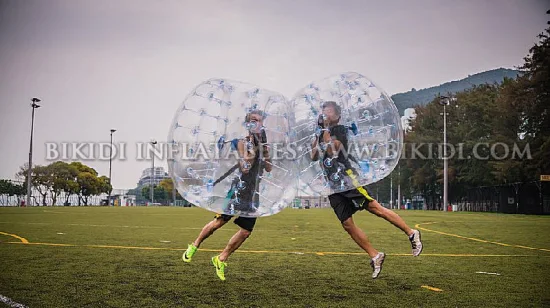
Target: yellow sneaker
column 188, row 254
column 220, row 267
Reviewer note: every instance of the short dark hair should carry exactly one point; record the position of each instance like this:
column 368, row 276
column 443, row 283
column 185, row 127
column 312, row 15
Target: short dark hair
column 254, row 111
column 332, row 104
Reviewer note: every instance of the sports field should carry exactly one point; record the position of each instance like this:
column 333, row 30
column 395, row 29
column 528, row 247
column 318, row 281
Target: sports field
column 131, row 257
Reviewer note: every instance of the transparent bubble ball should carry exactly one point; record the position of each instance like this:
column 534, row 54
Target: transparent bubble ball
column 369, row 122
column 218, row 122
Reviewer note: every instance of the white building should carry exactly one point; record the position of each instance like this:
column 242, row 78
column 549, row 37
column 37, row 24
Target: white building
column 147, row 176
column 410, row 114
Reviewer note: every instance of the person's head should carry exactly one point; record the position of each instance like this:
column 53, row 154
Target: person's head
column 256, row 116
column 332, row 111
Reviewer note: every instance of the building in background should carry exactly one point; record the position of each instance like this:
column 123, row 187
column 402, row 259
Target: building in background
column 122, row 197
column 146, row 178
column 307, row 202
column 410, row 115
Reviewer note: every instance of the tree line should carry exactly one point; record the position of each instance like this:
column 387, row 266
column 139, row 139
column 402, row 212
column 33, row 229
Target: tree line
column 61, row 179
column 507, row 125
column 162, row 193
column 56, row 179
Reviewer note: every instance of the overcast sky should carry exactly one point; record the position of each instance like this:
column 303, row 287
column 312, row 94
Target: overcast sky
column 128, row 64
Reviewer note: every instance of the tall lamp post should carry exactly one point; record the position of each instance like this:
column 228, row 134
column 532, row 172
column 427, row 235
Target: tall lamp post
column 34, row 105
column 153, row 174
column 445, row 101
column 391, row 191
column 110, row 164
column 399, row 187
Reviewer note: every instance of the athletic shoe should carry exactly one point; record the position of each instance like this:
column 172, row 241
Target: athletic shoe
column 416, row 243
column 376, row 264
column 188, row 254
column 220, row 267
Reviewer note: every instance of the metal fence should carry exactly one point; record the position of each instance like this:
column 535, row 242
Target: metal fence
column 517, row 198
column 38, row 200
column 308, row 202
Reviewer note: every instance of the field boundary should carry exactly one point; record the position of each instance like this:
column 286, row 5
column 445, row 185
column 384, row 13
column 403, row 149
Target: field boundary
column 417, row 226
column 318, row 253
column 22, row 239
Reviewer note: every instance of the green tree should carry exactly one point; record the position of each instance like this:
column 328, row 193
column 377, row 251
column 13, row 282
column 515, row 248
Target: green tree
column 168, row 186
column 472, row 124
column 63, row 178
column 146, row 193
column 17, row 190
column 421, row 151
column 4, row 187
column 9, row 188
column 160, row 194
column 525, row 104
column 73, row 178
column 104, row 185
column 42, row 181
column 514, row 113
column 70, row 186
column 89, row 185
column 83, row 168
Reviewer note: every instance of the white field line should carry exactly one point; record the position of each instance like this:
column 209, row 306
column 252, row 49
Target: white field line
column 8, row 301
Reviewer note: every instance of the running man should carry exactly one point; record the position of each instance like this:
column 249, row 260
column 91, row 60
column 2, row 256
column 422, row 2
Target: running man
column 345, row 204
column 246, row 198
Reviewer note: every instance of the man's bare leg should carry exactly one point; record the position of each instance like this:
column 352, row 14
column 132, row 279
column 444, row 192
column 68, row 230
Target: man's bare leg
column 234, row 243
column 208, row 230
column 389, row 215
column 359, row 237
column 377, row 258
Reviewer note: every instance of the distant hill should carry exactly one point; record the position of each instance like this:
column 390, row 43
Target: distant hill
column 421, row 97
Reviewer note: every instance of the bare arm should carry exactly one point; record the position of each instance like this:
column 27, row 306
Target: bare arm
column 246, row 156
column 314, row 151
column 333, row 146
column 268, row 166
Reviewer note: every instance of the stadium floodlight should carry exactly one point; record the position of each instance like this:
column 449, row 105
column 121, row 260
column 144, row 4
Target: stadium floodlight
column 34, row 106
column 445, row 101
column 110, row 164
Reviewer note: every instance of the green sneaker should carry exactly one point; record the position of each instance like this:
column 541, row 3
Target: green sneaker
column 220, row 267
column 188, row 254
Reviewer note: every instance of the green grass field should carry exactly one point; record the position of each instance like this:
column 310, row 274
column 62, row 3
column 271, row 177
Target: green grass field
column 131, row 257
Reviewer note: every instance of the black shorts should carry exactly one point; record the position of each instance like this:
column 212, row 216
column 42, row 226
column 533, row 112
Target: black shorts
column 345, row 204
column 246, row 223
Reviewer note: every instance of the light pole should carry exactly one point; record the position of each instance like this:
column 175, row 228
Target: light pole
column 153, row 174
column 391, row 191
column 445, row 101
column 399, row 175
column 110, row 164
column 34, row 105
column 399, row 187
